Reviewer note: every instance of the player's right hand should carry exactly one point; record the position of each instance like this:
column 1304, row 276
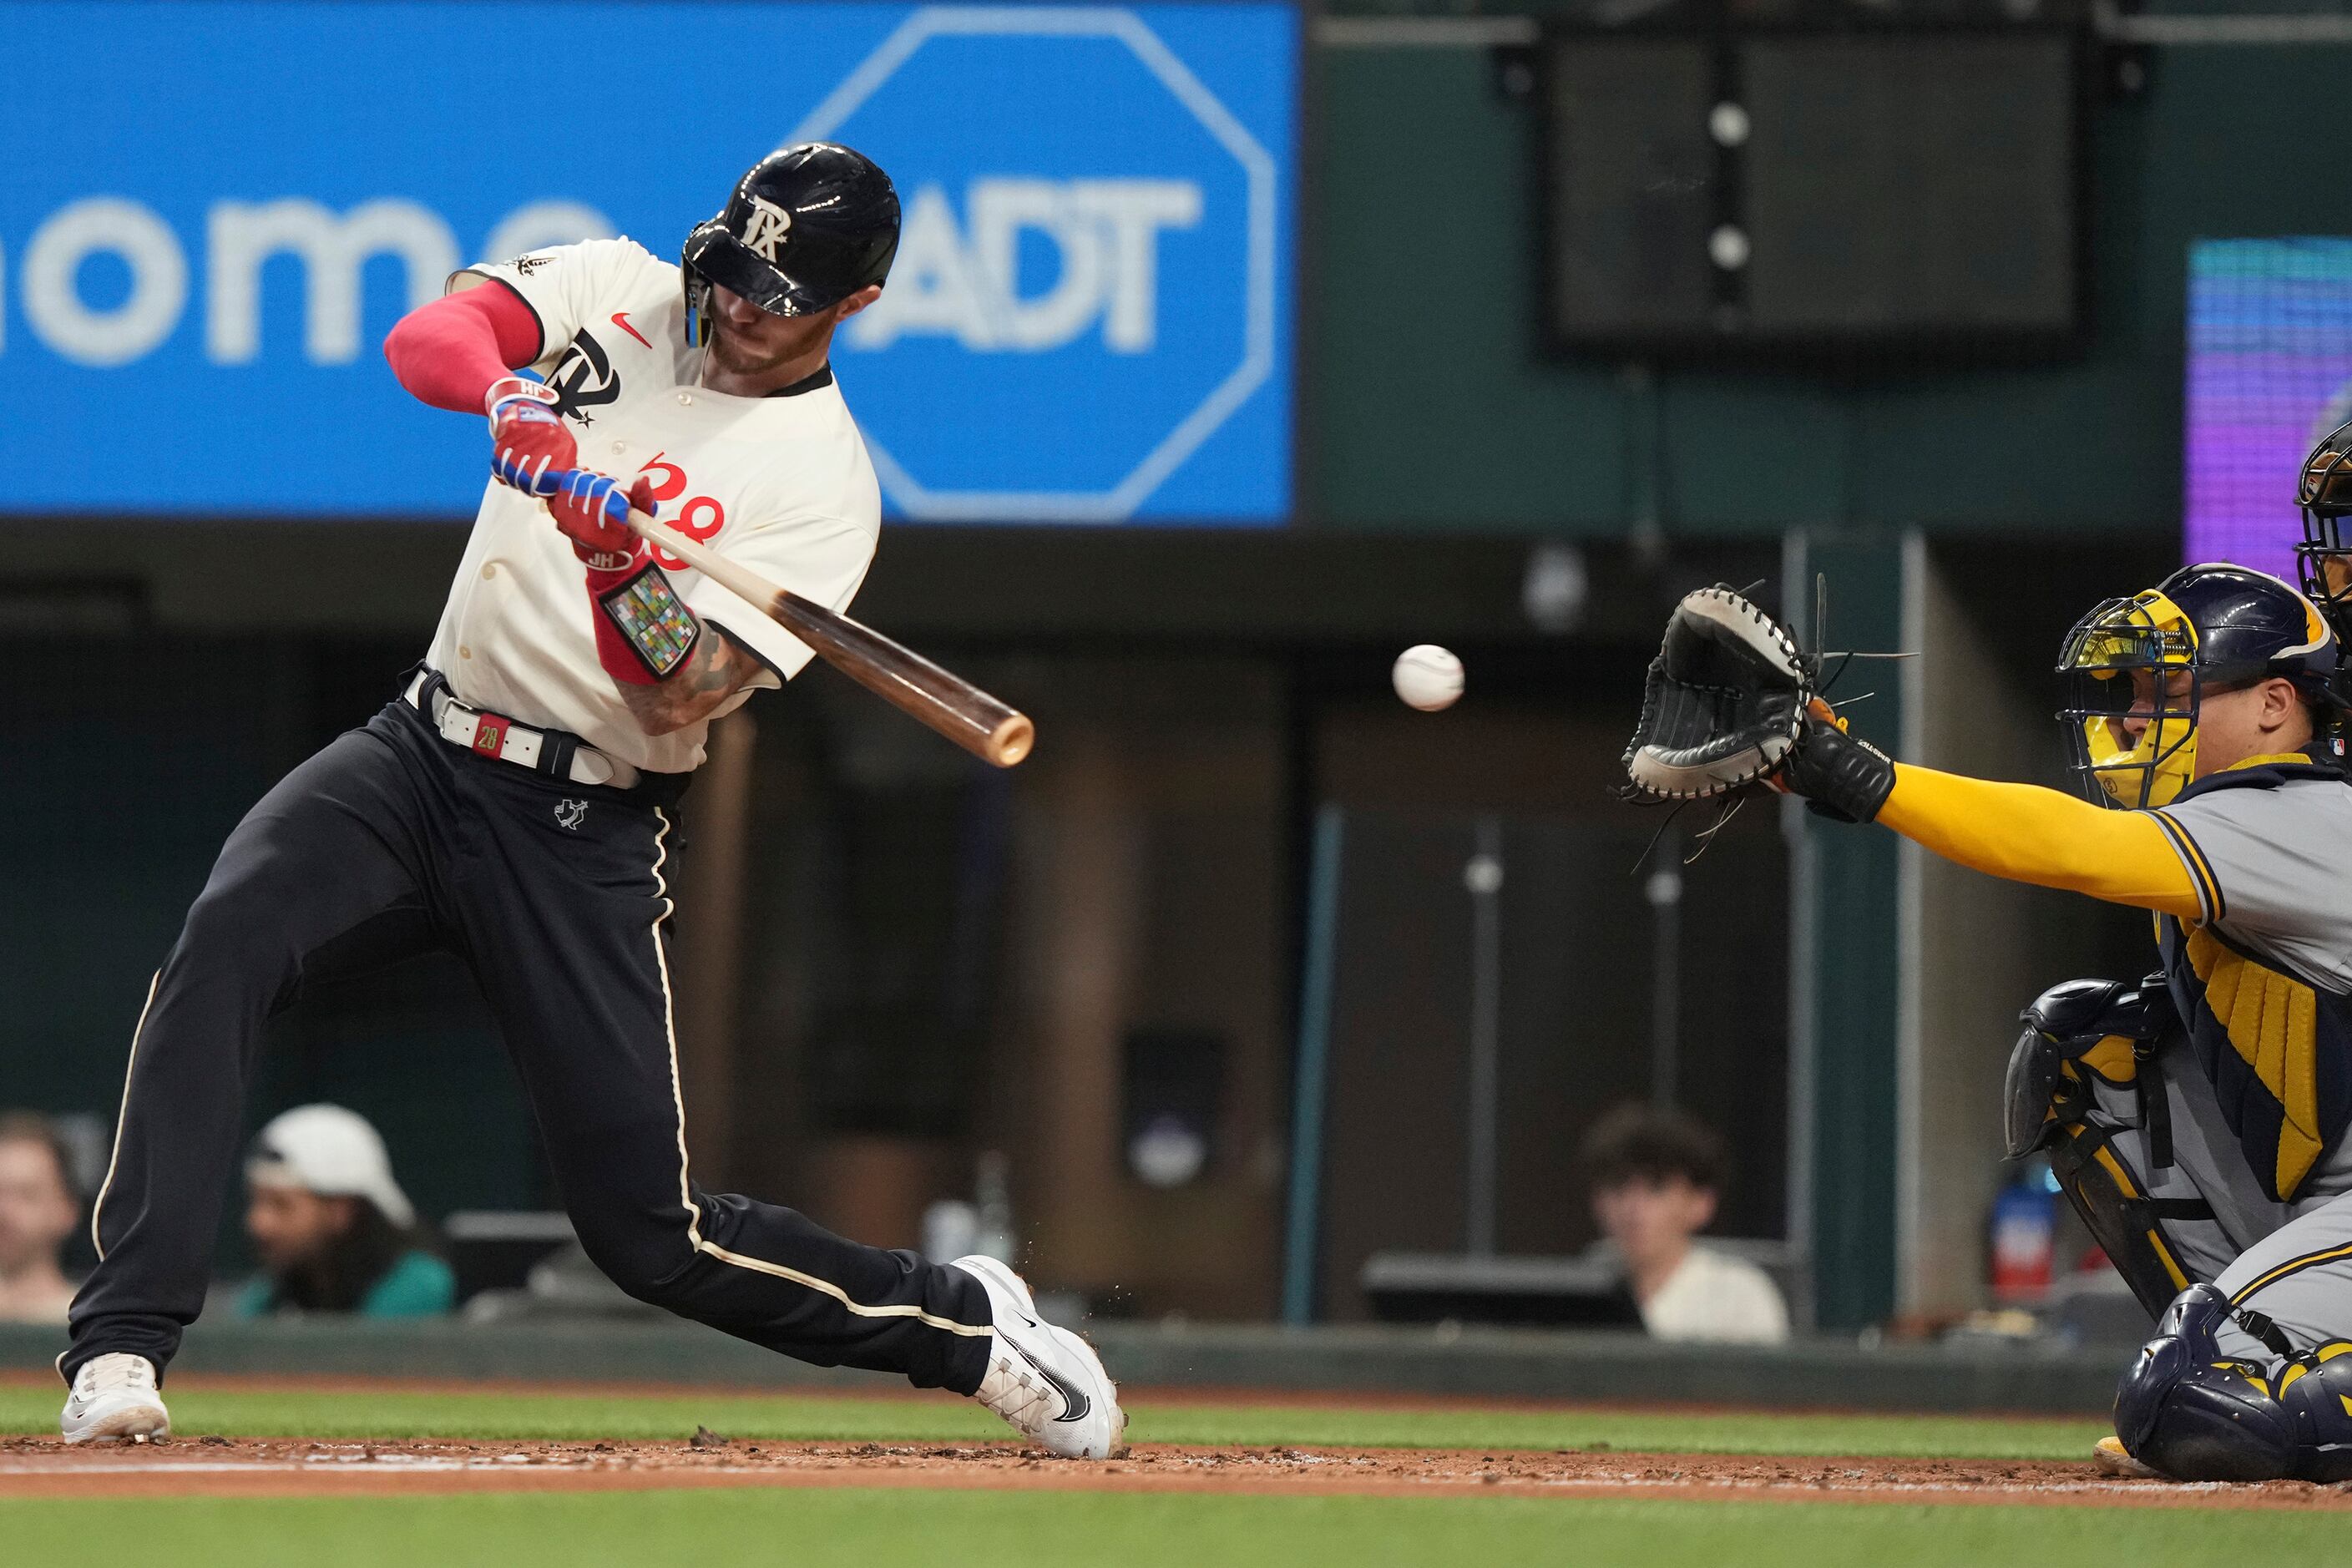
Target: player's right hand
column 529, row 441
column 580, row 506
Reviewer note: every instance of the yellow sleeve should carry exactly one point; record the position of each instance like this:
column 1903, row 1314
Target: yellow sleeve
column 2028, row 834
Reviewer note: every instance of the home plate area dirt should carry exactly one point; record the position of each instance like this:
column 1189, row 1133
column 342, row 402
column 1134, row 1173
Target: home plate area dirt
column 201, row 1466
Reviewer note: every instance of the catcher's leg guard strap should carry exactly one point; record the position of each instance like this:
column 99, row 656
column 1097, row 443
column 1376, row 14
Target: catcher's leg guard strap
column 2128, row 1225
column 2076, row 1036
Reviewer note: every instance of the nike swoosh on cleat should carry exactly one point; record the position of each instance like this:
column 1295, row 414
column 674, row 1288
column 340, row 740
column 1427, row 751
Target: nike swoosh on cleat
column 1075, row 1405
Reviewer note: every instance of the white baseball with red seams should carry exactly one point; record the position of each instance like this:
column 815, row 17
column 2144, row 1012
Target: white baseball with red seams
column 782, row 483
column 1427, row 677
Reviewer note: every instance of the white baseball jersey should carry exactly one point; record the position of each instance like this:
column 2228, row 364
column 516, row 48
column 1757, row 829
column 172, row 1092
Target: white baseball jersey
column 1716, row 1297
column 781, row 483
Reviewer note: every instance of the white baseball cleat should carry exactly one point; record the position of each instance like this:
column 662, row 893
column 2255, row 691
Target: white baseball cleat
column 1047, row 1382
column 114, row 1400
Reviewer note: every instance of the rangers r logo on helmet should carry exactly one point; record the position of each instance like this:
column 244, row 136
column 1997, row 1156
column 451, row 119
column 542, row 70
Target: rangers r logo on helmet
column 766, row 227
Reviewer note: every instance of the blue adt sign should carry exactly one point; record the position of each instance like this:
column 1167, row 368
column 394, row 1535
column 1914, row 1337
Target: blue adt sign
column 203, row 241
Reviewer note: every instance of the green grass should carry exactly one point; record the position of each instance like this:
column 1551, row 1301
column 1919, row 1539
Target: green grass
column 32, row 1407
column 718, row 1528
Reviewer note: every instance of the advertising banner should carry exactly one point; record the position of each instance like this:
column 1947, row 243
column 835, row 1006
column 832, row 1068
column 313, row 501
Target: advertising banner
column 210, row 213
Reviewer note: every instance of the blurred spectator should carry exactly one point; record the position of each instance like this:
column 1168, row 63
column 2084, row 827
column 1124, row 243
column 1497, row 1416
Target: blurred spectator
column 1655, row 1174
column 334, row 1231
column 39, row 1209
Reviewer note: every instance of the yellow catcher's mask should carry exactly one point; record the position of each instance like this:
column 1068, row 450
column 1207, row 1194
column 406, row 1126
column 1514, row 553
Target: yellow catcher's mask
column 2132, row 714
column 2149, row 771
column 2140, row 669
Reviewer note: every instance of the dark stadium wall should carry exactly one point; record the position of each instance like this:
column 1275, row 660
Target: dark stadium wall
column 1990, row 618
column 128, row 765
column 1430, row 405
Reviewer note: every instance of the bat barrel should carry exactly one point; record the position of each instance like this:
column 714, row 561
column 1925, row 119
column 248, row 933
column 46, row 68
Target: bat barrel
column 989, row 729
column 1011, row 740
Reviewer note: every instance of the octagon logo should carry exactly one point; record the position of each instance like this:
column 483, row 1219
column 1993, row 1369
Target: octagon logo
column 1087, row 319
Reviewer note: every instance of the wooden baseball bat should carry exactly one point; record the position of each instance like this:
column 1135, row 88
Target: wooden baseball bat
column 987, row 728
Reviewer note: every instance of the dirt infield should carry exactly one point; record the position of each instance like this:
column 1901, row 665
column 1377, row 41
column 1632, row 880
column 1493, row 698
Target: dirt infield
column 216, row 1467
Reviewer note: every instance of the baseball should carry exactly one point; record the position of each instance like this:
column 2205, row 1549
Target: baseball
column 1427, row 677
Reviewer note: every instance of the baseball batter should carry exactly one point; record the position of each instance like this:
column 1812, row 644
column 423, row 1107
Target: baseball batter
column 517, row 801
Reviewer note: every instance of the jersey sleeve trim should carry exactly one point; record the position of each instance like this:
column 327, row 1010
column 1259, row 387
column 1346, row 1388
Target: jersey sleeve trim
column 2200, row 870
column 452, row 286
column 741, row 644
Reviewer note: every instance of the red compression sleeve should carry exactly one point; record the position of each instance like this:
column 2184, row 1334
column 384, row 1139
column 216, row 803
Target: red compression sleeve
column 446, row 354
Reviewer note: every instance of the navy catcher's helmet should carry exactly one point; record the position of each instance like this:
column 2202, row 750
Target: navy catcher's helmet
column 2153, row 657
column 808, row 227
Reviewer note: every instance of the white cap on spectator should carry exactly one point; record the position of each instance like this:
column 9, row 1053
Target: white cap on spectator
column 327, row 1150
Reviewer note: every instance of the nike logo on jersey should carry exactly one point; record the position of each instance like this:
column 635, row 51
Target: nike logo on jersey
column 583, row 379
column 621, row 320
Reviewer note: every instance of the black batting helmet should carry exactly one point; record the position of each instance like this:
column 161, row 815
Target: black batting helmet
column 808, row 225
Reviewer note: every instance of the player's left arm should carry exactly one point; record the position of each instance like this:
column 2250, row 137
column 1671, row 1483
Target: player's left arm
column 678, row 657
column 821, row 557
column 2022, row 833
column 713, row 671
column 740, row 646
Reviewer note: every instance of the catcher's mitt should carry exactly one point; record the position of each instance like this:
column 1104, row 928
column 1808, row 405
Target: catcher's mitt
column 1725, row 702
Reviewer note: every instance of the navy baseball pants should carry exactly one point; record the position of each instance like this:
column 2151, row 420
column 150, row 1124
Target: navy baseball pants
column 391, row 842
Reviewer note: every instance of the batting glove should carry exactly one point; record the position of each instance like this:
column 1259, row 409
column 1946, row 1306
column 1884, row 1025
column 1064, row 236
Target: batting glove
column 528, row 442
column 583, row 502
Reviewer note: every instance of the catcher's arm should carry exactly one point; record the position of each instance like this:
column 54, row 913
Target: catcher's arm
column 2028, row 834
column 2022, row 833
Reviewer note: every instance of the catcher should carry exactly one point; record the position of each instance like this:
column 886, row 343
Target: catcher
column 2196, row 1121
